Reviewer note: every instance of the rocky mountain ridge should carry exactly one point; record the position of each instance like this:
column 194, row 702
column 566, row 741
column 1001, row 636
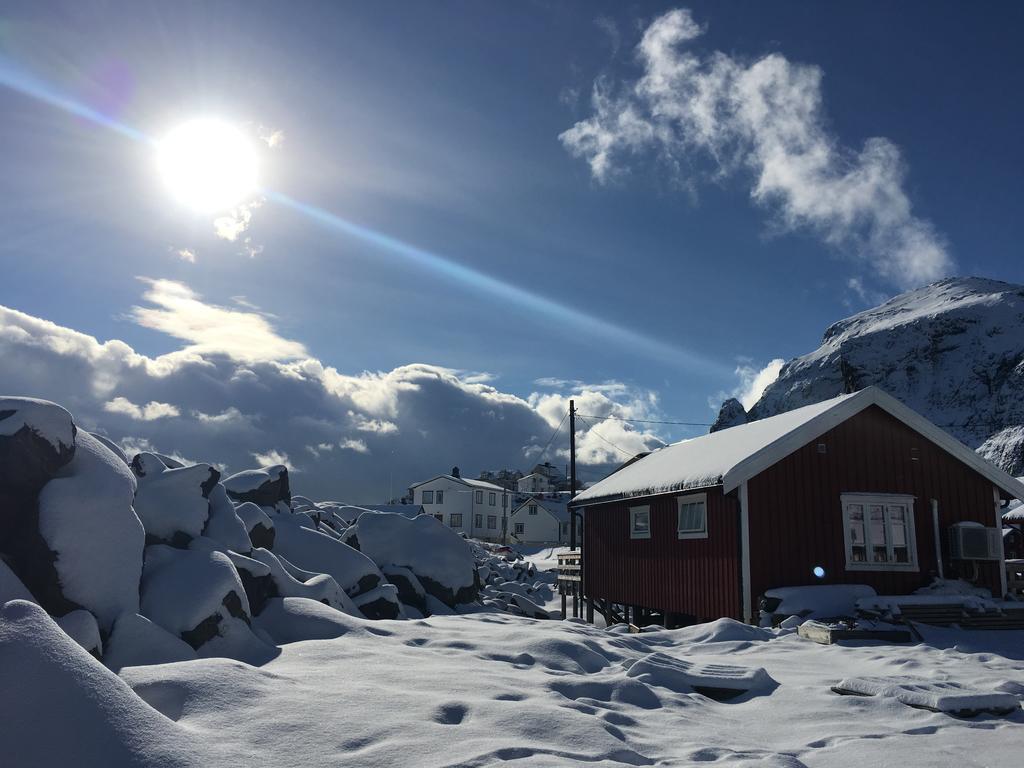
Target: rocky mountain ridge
column 953, row 351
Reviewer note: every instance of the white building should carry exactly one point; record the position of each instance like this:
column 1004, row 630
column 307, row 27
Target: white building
column 473, row 507
column 535, row 482
column 541, row 521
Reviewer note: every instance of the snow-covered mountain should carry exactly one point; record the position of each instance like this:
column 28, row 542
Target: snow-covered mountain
column 953, row 351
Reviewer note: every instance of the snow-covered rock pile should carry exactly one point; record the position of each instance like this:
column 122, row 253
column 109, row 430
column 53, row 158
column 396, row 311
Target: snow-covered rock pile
column 143, row 560
column 511, row 583
column 953, row 351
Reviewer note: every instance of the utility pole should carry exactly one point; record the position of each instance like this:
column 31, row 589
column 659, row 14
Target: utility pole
column 572, row 473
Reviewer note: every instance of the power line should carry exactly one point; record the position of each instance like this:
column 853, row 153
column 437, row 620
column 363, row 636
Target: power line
column 557, row 430
column 647, row 421
column 990, row 424
column 598, row 435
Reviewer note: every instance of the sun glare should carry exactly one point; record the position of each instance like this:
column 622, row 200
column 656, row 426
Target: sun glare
column 208, row 165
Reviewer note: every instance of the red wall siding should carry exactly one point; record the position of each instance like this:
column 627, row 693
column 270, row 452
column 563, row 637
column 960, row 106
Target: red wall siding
column 796, row 516
column 698, row 577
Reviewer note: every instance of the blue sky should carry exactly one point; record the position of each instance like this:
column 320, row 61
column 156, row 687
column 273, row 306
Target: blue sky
column 439, row 125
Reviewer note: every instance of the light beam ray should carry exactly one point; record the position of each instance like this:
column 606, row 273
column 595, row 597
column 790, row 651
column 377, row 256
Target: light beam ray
column 18, row 80
column 596, row 328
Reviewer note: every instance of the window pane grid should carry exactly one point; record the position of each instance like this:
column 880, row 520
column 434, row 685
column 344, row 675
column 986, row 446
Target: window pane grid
column 879, row 533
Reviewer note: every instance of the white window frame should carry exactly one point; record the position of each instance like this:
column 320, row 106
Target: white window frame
column 439, row 497
column 451, row 520
column 478, row 520
column 520, row 529
column 884, row 500
column 492, row 499
column 633, row 532
column 479, row 497
column 693, row 498
column 492, row 522
column 531, row 509
column 426, row 500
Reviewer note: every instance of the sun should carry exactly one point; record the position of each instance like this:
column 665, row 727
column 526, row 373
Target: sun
column 208, row 165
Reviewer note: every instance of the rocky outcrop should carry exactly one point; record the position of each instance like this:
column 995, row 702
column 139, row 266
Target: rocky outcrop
column 731, row 414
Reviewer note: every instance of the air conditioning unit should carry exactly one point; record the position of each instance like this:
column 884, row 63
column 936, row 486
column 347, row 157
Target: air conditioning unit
column 970, row 541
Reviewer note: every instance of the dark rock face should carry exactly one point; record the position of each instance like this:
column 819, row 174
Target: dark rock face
column 731, row 414
column 258, row 588
column 28, row 460
column 410, row 590
column 267, row 493
column 380, row 608
column 261, row 536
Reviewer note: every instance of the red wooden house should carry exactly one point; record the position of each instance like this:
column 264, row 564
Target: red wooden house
column 858, row 489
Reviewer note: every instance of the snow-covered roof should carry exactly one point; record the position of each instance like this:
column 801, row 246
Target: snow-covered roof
column 463, row 480
column 731, row 456
column 557, row 509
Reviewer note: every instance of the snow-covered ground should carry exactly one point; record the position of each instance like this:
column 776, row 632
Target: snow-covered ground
column 490, row 688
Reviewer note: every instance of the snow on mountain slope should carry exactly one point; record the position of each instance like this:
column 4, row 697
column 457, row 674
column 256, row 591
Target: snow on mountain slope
column 953, row 351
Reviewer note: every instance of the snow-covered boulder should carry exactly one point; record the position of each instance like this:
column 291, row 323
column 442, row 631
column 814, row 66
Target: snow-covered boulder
column 314, row 551
column 320, row 586
column 441, row 559
column 60, row 706
column 81, row 627
column 224, row 525
column 87, row 522
column 197, row 595
column 257, row 523
column 36, row 439
column 173, row 504
column 266, row 486
column 291, row 619
column 135, row 640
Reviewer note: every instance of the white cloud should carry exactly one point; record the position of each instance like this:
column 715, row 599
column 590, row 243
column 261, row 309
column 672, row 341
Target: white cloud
column 186, row 254
column 753, row 381
column 364, row 430
column 364, row 424
column 271, row 458
column 235, row 222
column 148, row 412
column 764, row 119
column 272, row 139
column 244, row 336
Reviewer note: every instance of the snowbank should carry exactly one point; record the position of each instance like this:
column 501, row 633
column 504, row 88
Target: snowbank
column 59, row 706
column 45, row 420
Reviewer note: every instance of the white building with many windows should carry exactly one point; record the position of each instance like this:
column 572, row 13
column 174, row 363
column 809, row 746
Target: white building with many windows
column 541, row 521
column 474, row 507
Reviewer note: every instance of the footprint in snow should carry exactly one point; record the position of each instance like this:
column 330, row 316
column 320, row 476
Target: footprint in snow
column 450, row 714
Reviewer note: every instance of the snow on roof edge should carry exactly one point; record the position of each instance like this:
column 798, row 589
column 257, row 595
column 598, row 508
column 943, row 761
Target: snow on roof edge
column 821, row 418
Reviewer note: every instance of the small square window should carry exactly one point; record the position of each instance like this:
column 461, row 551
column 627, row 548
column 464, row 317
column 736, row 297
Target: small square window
column 492, row 522
column 428, row 497
column 520, row 529
column 640, row 522
column 455, row 520
column 692, row 517
column 532, row 509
